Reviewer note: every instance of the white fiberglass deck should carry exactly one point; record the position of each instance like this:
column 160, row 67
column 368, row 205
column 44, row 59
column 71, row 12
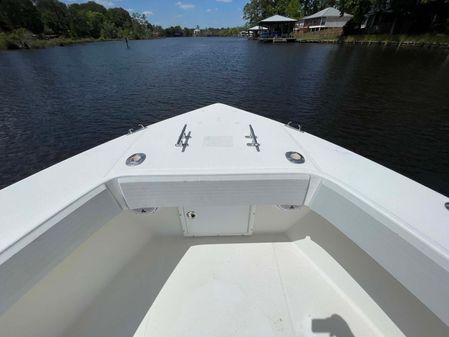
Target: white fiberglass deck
column 263, row 289
column 296, row 275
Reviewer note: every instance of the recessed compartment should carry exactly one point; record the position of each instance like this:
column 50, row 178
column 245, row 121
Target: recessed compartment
column 217, row 220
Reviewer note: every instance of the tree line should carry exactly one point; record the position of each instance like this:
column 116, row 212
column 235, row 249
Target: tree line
column 417, row 15
column 174, row 31
column 52, row 18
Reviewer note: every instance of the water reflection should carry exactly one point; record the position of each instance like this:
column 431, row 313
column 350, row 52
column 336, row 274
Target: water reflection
column 389, row 105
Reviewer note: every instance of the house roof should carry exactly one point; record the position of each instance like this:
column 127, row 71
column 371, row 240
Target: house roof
column 327, row 12
column 258, row 28
column 278, row 18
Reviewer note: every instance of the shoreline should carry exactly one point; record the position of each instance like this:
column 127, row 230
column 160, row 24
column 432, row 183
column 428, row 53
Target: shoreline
column 418, row 41
column 7, row 43
column 15, row 42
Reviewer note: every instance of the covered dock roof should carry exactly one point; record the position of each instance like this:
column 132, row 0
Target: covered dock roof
column 277, row 19
column 257, row 28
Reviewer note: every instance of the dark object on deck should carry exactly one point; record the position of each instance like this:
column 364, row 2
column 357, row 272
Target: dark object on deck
column 335, row 325
column 127, row 45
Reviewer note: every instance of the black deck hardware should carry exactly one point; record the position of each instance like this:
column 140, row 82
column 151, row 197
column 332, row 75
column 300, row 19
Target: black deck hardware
column 183, row 139
column 253, row 136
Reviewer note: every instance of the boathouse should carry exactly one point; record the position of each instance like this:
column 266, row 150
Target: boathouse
column 254, row 32
column 329, row 19
column 279, row 29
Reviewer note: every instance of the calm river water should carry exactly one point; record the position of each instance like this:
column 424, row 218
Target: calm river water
column 389, row 105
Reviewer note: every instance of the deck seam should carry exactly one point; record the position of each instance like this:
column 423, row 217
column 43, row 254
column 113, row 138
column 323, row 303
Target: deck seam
column 284, row 292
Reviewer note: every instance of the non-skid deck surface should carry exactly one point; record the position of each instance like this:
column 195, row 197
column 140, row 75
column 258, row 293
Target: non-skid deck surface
column 263, row 289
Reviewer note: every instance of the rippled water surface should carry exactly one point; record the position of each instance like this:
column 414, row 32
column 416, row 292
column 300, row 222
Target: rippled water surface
column 389, row 105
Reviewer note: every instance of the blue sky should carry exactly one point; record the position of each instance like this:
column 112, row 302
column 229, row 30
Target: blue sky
column 187, row 13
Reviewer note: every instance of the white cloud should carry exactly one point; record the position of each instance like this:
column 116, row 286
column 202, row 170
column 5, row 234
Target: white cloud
column 184, row 5
column 147, row 13
column 225, row 1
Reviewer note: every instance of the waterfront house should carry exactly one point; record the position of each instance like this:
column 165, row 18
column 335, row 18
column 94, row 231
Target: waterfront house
column 197, row 31
column 330, row 20
column 279, row 29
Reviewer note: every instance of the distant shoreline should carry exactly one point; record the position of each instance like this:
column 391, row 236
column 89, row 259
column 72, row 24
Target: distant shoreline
column 13, row 43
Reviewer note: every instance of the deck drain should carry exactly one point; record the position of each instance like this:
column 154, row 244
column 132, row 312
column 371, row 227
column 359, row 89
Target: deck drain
column 135, row 159
column 288, row 207
column 146, row 210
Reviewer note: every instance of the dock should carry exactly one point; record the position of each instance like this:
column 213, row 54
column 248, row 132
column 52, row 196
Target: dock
column 277, row 39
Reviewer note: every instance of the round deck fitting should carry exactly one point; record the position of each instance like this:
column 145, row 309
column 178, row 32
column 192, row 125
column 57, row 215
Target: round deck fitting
column 446, row 205
column 191, row 215
column 295, row 157
column 135, row 159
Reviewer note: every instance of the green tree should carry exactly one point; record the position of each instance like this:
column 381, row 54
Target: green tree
column 187, row 31
column 15, row 14
column 108, row 30
column 3, row 19
column 309, row 7
column 293, row 9
column 257, row 10
column 158, row 31
column 358, row 8
column 173, row 31
column 95, row 23
column 92, row 6
column 55, row 16
column 79, row 26
column 119, row 17
column 86, row 20
column 141, row 28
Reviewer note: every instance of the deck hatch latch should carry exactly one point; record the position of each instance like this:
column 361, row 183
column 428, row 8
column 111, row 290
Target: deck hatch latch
column 253, row 137
column 183, row 139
